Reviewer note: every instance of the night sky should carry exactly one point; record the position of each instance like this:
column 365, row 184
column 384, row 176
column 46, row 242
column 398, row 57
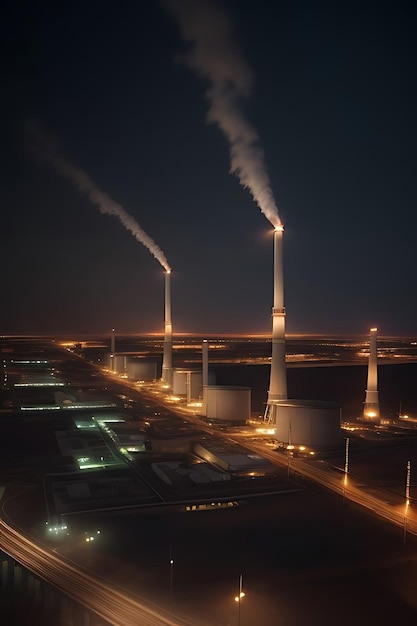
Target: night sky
column 334, row 102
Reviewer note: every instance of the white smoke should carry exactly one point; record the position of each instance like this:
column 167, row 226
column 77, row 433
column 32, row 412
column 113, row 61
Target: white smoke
column 215, row 55
column 44, row 147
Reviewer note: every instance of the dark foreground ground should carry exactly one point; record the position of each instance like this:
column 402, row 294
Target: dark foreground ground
column 306, row 558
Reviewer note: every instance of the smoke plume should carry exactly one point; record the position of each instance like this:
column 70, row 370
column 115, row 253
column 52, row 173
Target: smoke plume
column 45, row 148
column 215, row 56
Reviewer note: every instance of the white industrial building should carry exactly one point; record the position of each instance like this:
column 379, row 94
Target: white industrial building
column 232, row 458
column 228, row 403
column 188, row 383
column 310, row 423
column 141, row 370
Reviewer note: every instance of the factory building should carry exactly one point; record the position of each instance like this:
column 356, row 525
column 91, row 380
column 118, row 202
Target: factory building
column 231, row 458
column 138, row 369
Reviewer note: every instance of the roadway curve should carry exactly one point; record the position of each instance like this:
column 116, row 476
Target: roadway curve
column 112, row 605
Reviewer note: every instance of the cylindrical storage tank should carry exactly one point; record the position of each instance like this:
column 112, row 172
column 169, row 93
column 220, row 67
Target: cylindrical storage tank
column 141, row 370
column 309, row 423
column 228, row 404
column 119, row 363
column 187, row 383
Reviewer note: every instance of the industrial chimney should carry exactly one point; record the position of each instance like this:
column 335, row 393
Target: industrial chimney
column 278, row 377
column 205, row 374
column 371, row 405
column 167, row 358
column 112, row 350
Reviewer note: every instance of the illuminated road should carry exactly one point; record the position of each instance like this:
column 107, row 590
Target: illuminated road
column 346, row 487
column 112, row 605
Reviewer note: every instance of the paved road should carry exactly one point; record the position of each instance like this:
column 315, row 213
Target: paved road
column 321, row 473
column 399, row 514
column 111, row 604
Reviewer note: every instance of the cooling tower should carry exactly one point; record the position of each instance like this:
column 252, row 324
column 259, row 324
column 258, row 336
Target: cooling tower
column 371, row 406
column 278, row 376
column 167, row 358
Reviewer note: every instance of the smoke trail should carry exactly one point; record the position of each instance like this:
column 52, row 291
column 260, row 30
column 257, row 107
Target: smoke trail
column 215, row 56
column 46, row 148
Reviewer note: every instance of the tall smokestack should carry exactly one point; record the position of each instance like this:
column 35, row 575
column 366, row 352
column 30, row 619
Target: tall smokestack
column 167, row 358
column 112, row 350
column 205, row 374
column 371, row 406
column 278, row 378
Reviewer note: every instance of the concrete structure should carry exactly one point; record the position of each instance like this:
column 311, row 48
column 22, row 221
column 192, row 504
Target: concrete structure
column 228, row 404
column 129, row 437
column 112, row 350
column 63, row 399
column 371, row 406
column 23, row 587
column 309, row 424
column 187, row 383
column 278, row 376
column 141, row 370
column 120, row 363
column 180, row 474
column 205, row 374
column 231, row 458
column 167, row 358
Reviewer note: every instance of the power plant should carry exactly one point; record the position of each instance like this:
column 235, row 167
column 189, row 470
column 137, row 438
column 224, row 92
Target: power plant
column 296, row 423
column 371, row 406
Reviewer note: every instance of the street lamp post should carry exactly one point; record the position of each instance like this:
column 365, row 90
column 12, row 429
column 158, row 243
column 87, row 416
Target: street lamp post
column 171, row 565
column 347, row 457
column 289, row 447
column 346, row 467
column 407, row 497
column 238, row 598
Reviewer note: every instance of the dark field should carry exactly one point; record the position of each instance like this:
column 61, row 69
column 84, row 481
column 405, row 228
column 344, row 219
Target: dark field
column 306, row 557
